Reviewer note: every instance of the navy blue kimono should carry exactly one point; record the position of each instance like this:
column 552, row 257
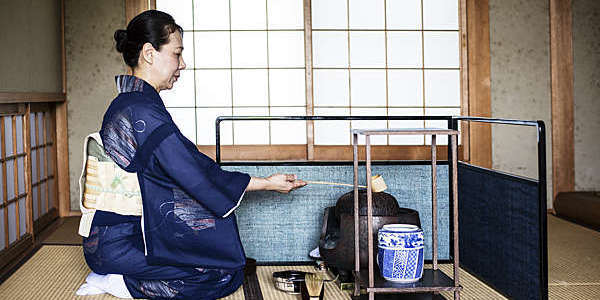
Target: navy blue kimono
column 186, row 244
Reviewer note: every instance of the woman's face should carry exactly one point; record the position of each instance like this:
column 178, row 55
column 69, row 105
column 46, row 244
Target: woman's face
column 168, row 62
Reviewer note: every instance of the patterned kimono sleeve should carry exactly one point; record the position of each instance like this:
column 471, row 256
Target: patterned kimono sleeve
column 218, row 190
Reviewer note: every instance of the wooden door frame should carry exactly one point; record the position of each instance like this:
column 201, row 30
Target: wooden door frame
column 562, row 95
column 62, row 138
column 479, row 150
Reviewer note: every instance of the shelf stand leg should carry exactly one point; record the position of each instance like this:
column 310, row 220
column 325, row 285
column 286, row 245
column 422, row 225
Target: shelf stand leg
column 369, row 210
column 455, row 214
column 356, row 220
column 434, row 232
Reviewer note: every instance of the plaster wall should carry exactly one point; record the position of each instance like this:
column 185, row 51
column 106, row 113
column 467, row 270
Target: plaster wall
column 31, row 47
column 92, row 63
column 586, row 68
column 520, row 84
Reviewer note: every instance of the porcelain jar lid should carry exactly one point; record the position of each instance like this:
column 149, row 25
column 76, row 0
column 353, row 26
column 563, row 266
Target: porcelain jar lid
column 400, row 228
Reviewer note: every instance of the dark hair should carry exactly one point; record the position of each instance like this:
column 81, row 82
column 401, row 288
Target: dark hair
column 151, row 26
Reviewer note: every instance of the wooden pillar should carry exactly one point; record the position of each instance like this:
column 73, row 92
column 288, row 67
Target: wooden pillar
column 308, row 76
column 28, row 179
column 479, row 90
column 561, row 65
column 135, row 7
column 62, row 139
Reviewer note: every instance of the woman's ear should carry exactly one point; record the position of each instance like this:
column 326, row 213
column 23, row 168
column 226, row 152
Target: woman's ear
column 147, row 53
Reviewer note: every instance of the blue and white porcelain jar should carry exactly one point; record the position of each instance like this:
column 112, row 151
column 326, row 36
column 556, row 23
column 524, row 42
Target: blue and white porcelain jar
column 401, row 250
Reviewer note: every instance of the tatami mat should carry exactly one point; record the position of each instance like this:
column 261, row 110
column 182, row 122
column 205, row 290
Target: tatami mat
column 573, row 260
column 573, row 253
column 56, row 271
column 269, row 291
column 473, row 289
column 571, row 292
column 66, row 233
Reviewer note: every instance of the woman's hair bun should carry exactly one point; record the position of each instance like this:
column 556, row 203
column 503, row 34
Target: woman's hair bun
column 121, row 39
column 151, row 26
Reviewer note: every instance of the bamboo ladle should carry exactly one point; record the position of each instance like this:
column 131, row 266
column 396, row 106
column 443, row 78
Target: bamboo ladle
column 377, row 183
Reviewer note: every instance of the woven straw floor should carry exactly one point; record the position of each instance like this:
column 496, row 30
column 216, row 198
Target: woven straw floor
column 573, row 260
column 56, row 271
column 66, row 233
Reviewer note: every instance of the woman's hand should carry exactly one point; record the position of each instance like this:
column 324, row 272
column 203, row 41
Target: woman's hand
column 283, row 183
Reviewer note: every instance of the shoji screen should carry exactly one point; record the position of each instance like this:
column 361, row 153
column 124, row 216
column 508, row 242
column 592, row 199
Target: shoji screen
column 28, row 197
column 384, row 57
column 42, row 166
column 13, row 217
column 244, row 58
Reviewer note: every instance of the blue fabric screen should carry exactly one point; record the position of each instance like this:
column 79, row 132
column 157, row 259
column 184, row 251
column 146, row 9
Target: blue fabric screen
column 499, row 231
column 286, row 227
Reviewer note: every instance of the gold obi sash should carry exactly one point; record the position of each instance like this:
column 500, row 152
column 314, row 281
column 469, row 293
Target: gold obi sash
column 105, row 186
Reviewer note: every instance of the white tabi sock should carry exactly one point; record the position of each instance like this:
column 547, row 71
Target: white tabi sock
column 87, row 289
column 109, row 283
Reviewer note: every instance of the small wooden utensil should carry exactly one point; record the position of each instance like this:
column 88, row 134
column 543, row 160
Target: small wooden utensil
column 377, row 183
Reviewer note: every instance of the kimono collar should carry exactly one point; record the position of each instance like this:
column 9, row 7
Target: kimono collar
column 130, row 83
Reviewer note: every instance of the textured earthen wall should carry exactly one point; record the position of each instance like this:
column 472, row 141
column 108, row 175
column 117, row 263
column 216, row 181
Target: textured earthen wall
column 30, row 45
column 520, row 83
column 92, row 63
column 586, row 69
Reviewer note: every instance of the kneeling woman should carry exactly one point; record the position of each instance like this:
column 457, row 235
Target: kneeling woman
column 186, row 244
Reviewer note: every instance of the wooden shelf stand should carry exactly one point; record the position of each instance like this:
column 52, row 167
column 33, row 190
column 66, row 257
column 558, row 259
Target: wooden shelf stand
column 433, row 280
